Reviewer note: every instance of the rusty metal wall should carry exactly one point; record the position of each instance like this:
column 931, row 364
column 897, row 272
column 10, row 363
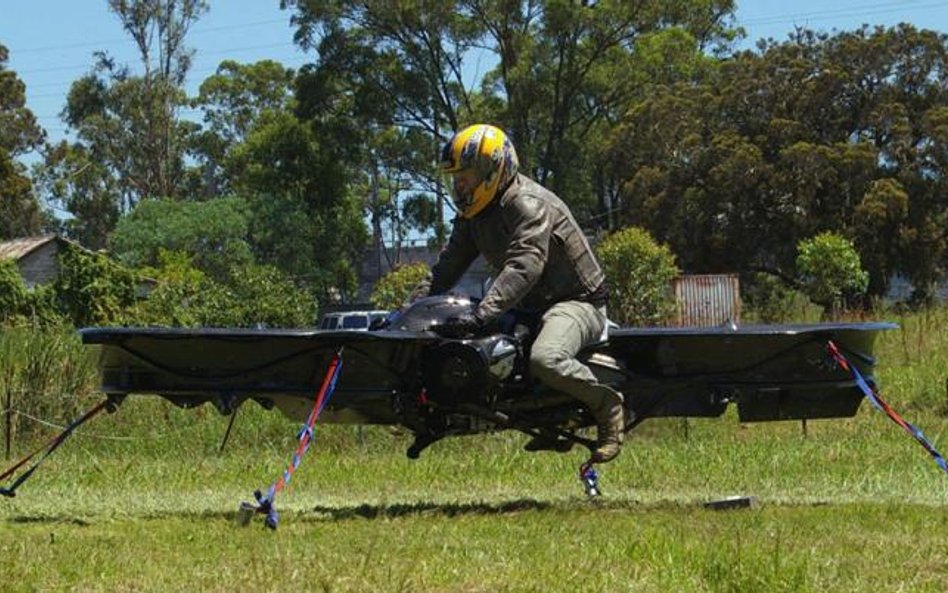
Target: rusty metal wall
column 707, row 299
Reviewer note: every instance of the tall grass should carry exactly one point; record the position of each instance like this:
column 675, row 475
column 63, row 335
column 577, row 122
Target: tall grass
column 45, row 375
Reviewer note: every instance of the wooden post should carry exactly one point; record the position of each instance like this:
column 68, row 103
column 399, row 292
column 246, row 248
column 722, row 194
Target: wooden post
column 803, row 423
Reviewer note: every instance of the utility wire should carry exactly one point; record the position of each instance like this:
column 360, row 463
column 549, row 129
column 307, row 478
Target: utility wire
column 196, row 31
column 870, row 9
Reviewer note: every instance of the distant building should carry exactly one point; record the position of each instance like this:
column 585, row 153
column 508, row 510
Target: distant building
column 38, row 260
column 37, row 257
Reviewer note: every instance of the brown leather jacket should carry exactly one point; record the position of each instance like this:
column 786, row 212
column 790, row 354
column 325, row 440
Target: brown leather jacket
column 534, row 247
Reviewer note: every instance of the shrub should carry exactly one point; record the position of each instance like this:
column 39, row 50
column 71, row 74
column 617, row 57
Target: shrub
column 393, row 289
column 92, row 289
column 13, row 293
column 254, row 295
column 639, row 272
column 829, row 270
column 19, row 305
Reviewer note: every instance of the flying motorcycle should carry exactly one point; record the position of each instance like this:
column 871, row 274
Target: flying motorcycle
column 411, row 372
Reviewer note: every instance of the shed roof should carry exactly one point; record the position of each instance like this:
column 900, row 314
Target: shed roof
column 20, row 247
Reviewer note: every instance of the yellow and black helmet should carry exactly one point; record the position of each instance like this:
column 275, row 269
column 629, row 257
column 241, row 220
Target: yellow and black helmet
column 486, row 151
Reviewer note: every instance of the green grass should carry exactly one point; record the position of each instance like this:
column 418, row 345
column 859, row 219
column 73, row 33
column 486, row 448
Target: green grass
column 142, row 501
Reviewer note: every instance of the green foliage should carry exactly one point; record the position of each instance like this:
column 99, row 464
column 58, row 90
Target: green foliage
column 260, row 295
column 216, row 232
column 639, row 272
column 304, row 219
column 20, row 212
column 393, row 289
column 19, row 130
column 820, row 132
column 73, row 177
column 232, row 100
column 769, row 299
column 250, row 295
column 92, row 289
column 13, row 293
column 46, row 373
column 180, row 295
column 829, row 269
column 130, row 142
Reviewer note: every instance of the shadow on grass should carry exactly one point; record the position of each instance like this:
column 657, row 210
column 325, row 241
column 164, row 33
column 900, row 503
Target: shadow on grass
column 323, row 513
column 370, row 511
column 48, row 519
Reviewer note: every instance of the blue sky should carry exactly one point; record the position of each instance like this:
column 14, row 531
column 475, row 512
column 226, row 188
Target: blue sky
column 51, row 41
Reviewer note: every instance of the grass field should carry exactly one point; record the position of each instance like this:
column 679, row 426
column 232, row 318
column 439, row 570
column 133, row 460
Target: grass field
column 142, row 501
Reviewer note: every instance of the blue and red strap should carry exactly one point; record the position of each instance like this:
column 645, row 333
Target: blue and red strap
column 265, row 502
column 882, row 406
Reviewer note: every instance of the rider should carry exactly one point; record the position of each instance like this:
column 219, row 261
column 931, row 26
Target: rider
column 541, row 261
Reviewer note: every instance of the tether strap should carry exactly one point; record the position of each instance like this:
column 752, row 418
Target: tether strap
column 882, row 406
column 50, row 446
column 265, row 502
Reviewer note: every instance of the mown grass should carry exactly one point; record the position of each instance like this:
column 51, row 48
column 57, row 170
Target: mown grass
column 142, row 501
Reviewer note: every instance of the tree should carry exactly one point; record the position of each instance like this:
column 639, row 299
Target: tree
column 19, row 131
column 881, row 231
column 131, row 142
column 74, row 177
column 398, row 68
column 563, row 73
column 567, row 70
column 215, row 232
column 813, row 134
column 232, row 101
column 639, row 272
column 304, row 219
column 20, row 213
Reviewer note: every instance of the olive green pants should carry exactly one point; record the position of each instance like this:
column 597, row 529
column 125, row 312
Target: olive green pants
column 566, row 328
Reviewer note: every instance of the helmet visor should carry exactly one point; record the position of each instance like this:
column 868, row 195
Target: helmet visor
column 462, row 185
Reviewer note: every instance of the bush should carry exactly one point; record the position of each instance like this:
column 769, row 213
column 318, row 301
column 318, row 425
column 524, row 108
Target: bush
column 639, row 272
column 92, row 289
column 254, row 295
column 770, row 300
column 829, row 269
column 13, row 293
column 393, row 289
column 19, row 305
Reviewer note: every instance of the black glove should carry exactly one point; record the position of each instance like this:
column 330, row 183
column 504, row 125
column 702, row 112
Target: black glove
column 462, row 326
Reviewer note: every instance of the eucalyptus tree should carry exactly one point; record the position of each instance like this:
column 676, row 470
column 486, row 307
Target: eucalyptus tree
column 131, row 139
column 20, row 212
column 232, row 101
column 567, row 71
column 842, row 132
column 399, row 69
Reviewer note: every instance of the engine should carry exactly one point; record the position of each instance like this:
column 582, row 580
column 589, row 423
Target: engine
column 469, row 371
column 459, row 371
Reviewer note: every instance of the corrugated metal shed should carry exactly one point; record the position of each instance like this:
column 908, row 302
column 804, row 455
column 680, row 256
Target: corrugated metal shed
column 707, row 299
